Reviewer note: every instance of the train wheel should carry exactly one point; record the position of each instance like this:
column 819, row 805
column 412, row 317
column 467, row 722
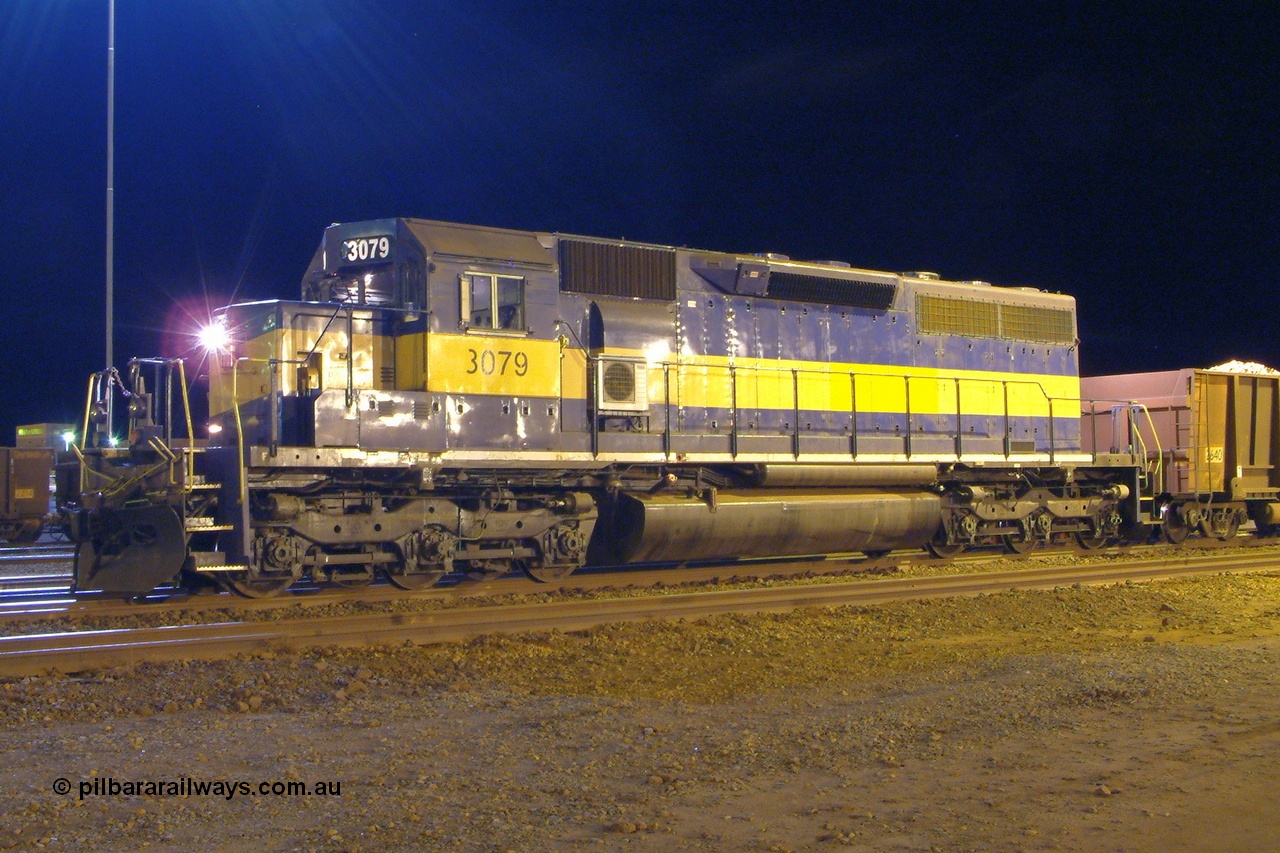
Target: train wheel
column 352, row 581
column 414, row 580
column 1174, row 525
column 545, row 574
column 259, row 588
column 1017, row 543
column 944, row 550
column 426, row 556
column 29, row 532
column 1089, row 542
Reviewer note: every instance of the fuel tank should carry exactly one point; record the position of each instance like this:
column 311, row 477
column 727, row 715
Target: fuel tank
column 770, row 523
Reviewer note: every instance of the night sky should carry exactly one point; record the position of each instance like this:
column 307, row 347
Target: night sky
column 1124, row 153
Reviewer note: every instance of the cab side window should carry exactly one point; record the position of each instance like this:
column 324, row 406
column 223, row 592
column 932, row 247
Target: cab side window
column 491, row 301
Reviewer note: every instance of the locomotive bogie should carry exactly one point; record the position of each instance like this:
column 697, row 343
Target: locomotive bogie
column 1018, row 516
column 416, row 539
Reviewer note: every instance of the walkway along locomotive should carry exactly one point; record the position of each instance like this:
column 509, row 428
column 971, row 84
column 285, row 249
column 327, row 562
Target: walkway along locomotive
column 450, row 398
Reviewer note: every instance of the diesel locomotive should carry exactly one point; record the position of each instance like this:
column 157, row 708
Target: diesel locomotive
column 447, row 398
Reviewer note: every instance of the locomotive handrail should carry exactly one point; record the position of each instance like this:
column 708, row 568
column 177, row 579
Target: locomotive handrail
column 95, row 395
column 86, row 470
column 795, row 412
column 1053, row 444
column 167, row 379
column 906, row 391
column 1008, row 424
column 88, row 413
column 190, row 451
column 853, row 414
column 161, row 448
column 351, row 367
column 733, row 401
column 1158, row 475
column 1153, row 472
column 733, row 373
column 666, row 391
column 241, row 460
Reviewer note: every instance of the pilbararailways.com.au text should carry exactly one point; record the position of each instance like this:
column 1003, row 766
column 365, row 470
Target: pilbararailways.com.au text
column 185, row 786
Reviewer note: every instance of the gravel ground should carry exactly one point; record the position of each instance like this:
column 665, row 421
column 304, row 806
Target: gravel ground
column 1136, row 717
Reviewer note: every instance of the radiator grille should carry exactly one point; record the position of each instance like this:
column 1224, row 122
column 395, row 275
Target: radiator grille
column 1031, row 323
column 609, row 269
column 937, row 315
column 941, row 315
column 799, row 287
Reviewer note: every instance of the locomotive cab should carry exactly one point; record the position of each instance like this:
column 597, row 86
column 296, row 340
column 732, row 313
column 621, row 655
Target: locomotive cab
column 424, row 333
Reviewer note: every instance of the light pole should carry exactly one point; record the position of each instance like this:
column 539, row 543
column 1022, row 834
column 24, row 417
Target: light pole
column 111, row 172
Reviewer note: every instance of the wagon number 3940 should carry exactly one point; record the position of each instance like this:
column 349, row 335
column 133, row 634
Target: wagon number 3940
column 501, row 362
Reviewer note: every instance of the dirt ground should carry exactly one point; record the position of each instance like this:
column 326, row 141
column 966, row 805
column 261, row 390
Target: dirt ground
column 1131, row 718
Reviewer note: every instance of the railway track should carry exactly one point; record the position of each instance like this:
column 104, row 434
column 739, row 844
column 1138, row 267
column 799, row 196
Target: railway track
column 90, row 650
column 26, row 598
column 45, row 555
column 38, row 593
column 41, row 598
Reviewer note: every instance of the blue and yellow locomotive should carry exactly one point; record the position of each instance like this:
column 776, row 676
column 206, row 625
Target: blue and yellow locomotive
column 450, row 398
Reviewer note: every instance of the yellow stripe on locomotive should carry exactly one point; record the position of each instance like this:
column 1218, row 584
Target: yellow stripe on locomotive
column 811, row 386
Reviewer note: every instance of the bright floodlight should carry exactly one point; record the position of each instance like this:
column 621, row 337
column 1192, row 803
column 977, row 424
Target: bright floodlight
column 215, row 337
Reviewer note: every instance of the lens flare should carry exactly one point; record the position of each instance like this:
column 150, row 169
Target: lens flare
column 215, row 337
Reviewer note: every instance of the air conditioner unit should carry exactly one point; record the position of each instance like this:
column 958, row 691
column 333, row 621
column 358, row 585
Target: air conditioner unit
column 622, row 386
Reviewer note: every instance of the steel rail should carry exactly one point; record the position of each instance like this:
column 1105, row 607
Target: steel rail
column 43, row 555
column 92, row 650
column 10, row 583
